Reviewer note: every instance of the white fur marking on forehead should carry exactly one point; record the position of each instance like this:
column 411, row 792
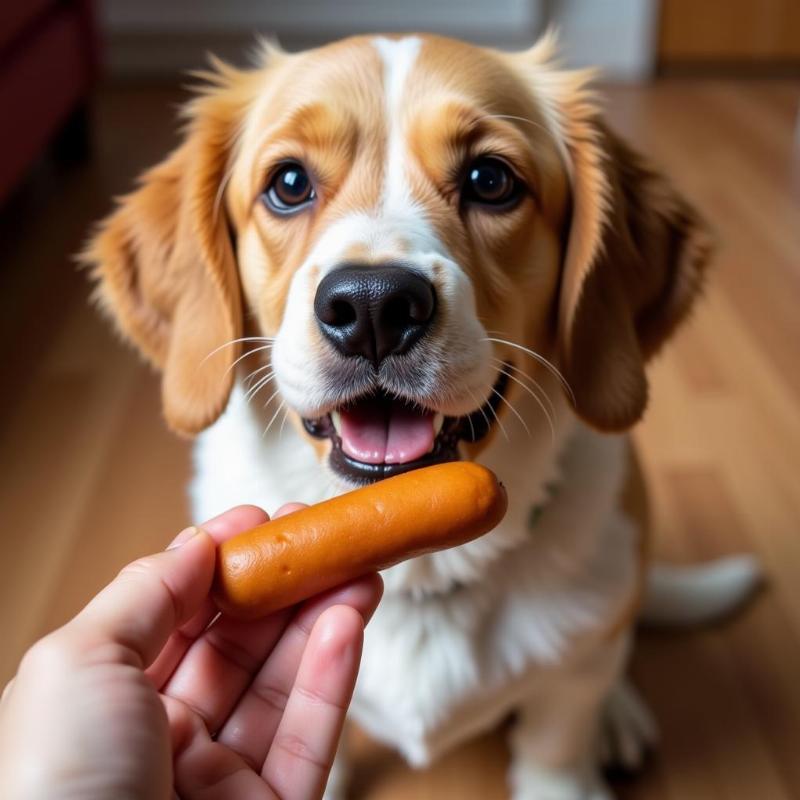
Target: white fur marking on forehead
column 379, row 235
column 398, row 60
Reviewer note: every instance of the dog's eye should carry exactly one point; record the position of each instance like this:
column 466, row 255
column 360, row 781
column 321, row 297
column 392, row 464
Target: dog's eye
column 289, row 190
column 490, row 182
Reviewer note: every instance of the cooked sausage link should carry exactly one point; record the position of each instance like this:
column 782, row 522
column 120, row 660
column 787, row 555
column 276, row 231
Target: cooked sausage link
column 294, row 557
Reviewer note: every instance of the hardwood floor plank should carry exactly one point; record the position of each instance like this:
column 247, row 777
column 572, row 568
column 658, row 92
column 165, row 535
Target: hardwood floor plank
column 140, row 501
column 48, row 471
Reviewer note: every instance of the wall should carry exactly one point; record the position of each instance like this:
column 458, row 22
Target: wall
column 159, row 37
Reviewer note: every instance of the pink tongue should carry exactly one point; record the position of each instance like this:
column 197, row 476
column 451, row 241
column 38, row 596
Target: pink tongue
column 364, row 432
column 410, row 435
column 377, row 433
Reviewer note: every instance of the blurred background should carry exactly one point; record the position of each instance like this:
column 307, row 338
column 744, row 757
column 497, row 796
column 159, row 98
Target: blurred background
column 90, row 478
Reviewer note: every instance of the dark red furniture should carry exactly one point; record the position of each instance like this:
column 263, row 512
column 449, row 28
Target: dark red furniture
column 48, row 61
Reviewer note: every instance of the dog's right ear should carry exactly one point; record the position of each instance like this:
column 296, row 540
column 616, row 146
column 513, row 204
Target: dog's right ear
column 635, row 251
column 164, row 267
column 634, row 267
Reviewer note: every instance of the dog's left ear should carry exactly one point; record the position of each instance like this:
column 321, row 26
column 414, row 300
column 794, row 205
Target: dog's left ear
column 164, row 267
column 634, row 264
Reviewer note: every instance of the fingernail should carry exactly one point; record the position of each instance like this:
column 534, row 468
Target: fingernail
column 184, row 536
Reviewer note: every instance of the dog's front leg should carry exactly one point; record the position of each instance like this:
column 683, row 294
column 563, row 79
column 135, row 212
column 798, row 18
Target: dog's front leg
column 553, row 743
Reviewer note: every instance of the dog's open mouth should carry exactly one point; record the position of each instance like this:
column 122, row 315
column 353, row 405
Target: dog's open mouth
column 380, row 435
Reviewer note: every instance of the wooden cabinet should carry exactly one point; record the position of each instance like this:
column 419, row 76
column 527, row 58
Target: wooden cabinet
column 729, row 31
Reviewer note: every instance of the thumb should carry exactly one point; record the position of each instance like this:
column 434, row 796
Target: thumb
column 144, row 604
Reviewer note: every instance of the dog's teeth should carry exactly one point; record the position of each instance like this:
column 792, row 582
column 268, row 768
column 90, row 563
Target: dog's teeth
column 438, row 421
column 336, row 419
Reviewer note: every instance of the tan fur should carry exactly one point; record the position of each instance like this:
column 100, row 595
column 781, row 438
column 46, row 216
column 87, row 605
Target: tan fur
column 634, row 262
column 634, row 501
column 645, row 272
column 594, row 268
column 164, row 268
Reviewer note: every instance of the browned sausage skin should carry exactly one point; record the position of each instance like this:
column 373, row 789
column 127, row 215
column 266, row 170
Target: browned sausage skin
column 314, row 549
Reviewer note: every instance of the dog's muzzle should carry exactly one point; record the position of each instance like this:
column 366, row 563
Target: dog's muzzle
column 369, row 313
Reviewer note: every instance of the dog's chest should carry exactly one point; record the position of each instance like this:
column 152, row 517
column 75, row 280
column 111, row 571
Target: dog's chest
column 438, row 670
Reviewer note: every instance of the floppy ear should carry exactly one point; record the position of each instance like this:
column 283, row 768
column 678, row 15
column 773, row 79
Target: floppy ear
column 164, row 268
column 634, row 264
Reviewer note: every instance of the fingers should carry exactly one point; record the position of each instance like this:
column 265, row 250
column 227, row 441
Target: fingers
column 204, row 768
column 305, row 743
column 210, row 673
column 299, row 762
column 236, row 520
column 144, row 604
column 141, row 608
column 220, row 528
column 252, row 724
column 219, row 665
column 289, row 508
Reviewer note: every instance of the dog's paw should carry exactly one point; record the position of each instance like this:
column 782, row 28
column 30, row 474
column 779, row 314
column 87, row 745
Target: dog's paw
column 530, row 782
column 628, row 731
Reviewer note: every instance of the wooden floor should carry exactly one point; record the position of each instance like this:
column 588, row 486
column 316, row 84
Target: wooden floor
column 89, row 478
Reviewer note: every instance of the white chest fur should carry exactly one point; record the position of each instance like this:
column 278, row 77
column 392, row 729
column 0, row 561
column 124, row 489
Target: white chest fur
column 440, row 668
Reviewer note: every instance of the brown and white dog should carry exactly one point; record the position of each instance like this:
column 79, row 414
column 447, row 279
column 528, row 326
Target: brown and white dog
column 417, row 250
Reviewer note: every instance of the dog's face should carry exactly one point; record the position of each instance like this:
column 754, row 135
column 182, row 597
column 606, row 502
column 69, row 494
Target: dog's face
column 402, row 217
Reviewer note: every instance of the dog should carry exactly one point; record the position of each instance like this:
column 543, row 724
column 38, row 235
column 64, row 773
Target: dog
column 393, row 251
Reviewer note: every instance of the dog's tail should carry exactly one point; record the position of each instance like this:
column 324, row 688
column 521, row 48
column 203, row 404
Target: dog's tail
column 695, row 595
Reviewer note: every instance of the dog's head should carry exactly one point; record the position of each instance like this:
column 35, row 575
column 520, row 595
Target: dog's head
column 405, row 220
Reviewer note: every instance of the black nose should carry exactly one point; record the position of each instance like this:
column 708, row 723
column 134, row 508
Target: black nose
column 374, row 311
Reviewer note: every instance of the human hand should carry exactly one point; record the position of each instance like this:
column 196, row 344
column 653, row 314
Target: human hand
column 140, row 696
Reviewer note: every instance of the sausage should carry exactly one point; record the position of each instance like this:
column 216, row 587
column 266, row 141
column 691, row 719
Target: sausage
column 313, row 549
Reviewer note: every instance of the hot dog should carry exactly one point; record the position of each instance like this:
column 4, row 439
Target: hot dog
column 294, row 557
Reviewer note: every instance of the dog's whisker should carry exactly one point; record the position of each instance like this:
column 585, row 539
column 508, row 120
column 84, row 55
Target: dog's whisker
column 251, row 379
column 251, row 375
column 258, row 386
column 521, row 372
column 514, row 411
column 501, row 364
column 271, row 398
column 283, row 422
column 541, row 388
column 480, row 408
column 471, row 426
column 537, row 356
column 541, row 359
column 541, row 405
column 500, row 424
column 274, row 416
column 246, row 355
column 486, row 419
column 237, row 341
column 550, row 421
